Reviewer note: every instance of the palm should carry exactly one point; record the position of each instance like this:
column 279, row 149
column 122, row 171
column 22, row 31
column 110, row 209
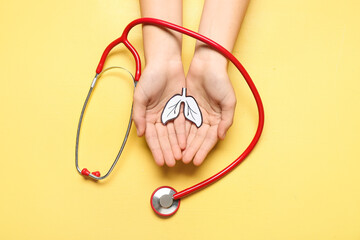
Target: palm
column 151, row 94
column 216, row 99
column 157, row 95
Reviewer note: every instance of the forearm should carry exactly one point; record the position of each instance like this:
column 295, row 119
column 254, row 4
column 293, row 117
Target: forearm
column 161, row 44
column 220, row 21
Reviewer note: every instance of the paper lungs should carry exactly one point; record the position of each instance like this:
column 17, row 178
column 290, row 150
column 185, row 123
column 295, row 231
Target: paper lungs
column 191, row 109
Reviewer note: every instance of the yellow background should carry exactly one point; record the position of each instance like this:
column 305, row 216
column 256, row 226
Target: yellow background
column 301, row 182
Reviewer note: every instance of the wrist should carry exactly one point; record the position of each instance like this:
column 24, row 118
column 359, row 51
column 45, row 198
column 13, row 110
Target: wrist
column 211, row 72
column 165, row 69
column 163, row 53
column 161, row 44
column 207, row 62
column 208, row 56
column 162, row 62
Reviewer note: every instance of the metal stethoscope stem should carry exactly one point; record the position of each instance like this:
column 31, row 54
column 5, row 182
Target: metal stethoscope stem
column 165, row 200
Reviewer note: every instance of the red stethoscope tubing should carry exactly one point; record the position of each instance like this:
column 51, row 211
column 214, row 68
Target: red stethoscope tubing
column 157, row 22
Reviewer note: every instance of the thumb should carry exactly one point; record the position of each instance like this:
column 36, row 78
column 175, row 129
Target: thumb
column 227, row 116
column 139, row 112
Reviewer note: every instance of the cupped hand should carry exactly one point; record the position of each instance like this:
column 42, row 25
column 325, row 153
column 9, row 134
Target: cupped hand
column 209, row 84
column 157, row 84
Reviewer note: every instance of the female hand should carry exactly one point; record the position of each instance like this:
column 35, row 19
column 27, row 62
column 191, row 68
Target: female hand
column 208, row 82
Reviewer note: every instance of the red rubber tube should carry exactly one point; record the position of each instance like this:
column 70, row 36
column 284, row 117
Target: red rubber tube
column 225, row 53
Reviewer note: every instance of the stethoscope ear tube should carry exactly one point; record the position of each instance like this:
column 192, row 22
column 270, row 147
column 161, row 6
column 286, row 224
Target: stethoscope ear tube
column 96, row 174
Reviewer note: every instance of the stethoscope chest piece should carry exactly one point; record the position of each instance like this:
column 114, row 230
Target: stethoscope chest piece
column 162, row 201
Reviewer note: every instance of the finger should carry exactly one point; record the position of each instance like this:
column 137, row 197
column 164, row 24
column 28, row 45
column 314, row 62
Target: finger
column 153, row 143
column 187, row 129
column 195, row 144
column 208, row 144
column 139, row 112
column 192, row 133
column 173, row 141
column 227, row 116
column 180, row 130
column 165, row 144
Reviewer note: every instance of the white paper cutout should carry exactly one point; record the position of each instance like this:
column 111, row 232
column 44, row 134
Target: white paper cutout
column 172, row 108
column 191, row 109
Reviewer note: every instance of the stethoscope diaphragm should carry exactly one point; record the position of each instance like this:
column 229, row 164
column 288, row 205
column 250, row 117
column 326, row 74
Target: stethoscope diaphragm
column 162, row 201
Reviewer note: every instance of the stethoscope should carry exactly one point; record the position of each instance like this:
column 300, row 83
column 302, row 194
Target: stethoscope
column 165, row 200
